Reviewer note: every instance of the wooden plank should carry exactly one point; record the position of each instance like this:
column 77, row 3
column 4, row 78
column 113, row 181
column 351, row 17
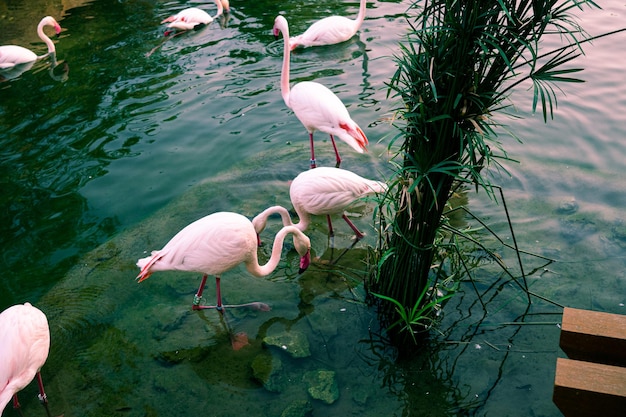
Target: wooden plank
column 594, row 336
column 589, row 389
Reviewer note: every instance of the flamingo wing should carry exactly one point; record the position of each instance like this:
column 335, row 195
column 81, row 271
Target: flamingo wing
column 24, row 347
column 210, row 245
column 327, row 190
column 318, row 108
column 11, row 55
column 327, row 31
column 188, row 19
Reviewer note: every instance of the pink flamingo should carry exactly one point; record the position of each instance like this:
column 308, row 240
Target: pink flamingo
column 330, row 30
column 316, row 106
column 217, row 243
column 24, row 347
column 194, row 18
column 12, row 55
column 322, row 191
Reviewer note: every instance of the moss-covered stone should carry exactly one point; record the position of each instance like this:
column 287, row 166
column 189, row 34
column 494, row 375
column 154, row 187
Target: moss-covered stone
column 295, row 343
column 322, row 385
column 299, row 408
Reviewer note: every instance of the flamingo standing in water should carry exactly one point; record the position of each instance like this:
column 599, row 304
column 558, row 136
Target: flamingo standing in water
column 12, row 55
column 316, row 106
column 217, row 243
column 194, row 18
column 330, row 30
column 24, row 346
column 322, row 191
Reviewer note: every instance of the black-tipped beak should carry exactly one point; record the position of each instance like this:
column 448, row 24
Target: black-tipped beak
column 305, row 261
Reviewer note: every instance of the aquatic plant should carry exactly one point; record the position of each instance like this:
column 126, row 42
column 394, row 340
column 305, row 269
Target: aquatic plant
column 456, row 70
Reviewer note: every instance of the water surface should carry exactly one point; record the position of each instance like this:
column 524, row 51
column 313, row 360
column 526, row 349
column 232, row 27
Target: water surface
column 146, row 135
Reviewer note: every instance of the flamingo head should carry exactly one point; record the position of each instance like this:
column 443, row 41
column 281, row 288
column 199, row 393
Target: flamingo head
column 280, row 25
column 305, row 261
column 50, row 21
column 303, row 246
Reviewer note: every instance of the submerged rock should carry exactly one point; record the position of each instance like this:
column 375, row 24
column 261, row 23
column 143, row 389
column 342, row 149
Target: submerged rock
column 568, row 206
column 299, row 408
column 295, row 343
column 268, row 370
column 322, row 385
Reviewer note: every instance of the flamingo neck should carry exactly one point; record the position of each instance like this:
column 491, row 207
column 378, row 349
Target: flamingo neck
column 45, row 38
column 361, row 16
column 262, row 270
column 260, row 221
column 304, row 219
column 284, row 75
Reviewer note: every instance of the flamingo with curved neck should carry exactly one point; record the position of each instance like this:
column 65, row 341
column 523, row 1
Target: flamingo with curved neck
column 322, row 191
column 330, row 30
column 316, row 106
column 217, row 243
column 12, row 55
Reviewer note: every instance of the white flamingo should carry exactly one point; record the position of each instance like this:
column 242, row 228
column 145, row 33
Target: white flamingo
column 217, row 243
column 14, row 55
column 24, row 347
column 330, row 30
column 194, row 18
column 322, row 191
column 316, row 106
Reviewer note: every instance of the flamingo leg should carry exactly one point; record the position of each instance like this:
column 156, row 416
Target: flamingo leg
column 357, row 232
column 198, row 297
column 218, row 291
column 313, row 165
column 338, row 158
column 331, row 232
column 220, row 307
column 42, row 394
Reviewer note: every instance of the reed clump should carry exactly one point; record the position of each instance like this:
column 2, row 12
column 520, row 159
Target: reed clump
column 456, row 70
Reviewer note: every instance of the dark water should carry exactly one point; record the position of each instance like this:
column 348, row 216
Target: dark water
column 133, row 145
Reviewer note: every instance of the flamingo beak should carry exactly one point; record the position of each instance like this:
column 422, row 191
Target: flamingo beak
column 305, row 261
column 258, row 240
column 276, row 33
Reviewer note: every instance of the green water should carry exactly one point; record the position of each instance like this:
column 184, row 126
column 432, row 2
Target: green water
column 109, row 164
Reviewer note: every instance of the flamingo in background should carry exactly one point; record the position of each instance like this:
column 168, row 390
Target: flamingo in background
column 24, row 347
column 316, row 106
column 330, row 30
column 322, row 191
column 194, row 18
column 12, row 55
column 217, row 243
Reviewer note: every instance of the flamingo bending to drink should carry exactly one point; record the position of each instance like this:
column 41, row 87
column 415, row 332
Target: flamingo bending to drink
column 217, row 243
column 322, row 191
